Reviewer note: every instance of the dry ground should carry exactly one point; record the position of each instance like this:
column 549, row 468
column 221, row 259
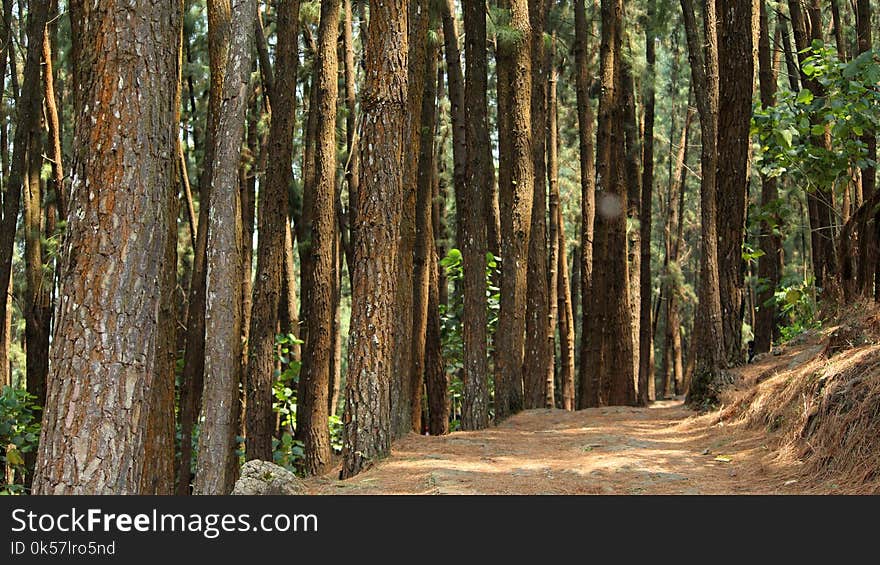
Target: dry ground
column 664, row 449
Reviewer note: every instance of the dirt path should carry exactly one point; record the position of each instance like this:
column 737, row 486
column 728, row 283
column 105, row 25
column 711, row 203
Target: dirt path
column 664, row 449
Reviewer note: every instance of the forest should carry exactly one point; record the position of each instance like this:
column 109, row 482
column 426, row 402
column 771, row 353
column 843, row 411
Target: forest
column 303, row 232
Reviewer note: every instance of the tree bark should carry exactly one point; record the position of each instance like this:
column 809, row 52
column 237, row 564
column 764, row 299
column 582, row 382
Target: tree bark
column 708, row 343
column 110, row 314
column 538, row 359
column 274, row 230
column 769, row 264
column 735, row 86
column 367, row 419
column 192, row 382
column 424, row 246
column 312, row 426
column 588, row 394
column 516, row 191
column 646, row 334
column 224, row 264
column 401, row 378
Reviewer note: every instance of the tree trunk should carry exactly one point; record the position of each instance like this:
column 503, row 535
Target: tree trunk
column 424, row 248
column 108, row 289
column 312, row 426
column 646, row 333
column 274, row 230
column 671, row 375
column 615, row 316
column 471, row 201
column 515, row 197
column 223, row 309
column 633, row 183
column 769, row 264
column 192, row 382
column 538, row 358
column 735, row 87
column 367, row 420
column 708, row 344
column 401, row 378
column 588, row 394
column 27, row 125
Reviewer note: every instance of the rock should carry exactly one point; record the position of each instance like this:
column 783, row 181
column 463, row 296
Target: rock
column 264, row 478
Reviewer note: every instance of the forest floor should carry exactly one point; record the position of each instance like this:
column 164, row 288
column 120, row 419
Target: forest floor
column 663, row 449
column 802, row 419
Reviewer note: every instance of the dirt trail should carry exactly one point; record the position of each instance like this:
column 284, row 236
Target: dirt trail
column 664, row 449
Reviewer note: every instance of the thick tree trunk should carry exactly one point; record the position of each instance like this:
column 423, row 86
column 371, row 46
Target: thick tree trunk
column 615, row 315
column 367, row 420
column 708, row 342
column 223, row 309
column 735, row 86
column 515, row 196
column 401, row 378
column 477, row 189
column 274, row 231
column 538, row 359
column 588, row 393
column 109, row 290
column 769, row 264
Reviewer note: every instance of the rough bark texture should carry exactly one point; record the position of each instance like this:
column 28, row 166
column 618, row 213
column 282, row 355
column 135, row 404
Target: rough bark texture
column 538, row 357
column 588, row 393
column 735, row 89
column 515, row 195
column 223, row 305
column 312, row 426
column 273, row 231
column 646, row 333
column 424, row 245
column 401, row 378
column 769, row 264
column 473, row 135
column 633, row 183
column 107, row 337
column 192, row 382
column 611, row 308
column 367, row 421
column 708, row 344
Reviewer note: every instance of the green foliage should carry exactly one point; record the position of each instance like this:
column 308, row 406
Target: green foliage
column 289, row 452
column 798, row 304
column 19, row 433
column 792, row 133
column 452, row 341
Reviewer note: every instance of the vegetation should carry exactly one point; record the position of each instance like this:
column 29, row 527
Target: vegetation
column 299, row 230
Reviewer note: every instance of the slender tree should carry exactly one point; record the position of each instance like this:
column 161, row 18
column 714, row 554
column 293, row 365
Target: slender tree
column 770, row 263
column 274, row 228
column 588, row 394
column 223, row 309
column 315, row 379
